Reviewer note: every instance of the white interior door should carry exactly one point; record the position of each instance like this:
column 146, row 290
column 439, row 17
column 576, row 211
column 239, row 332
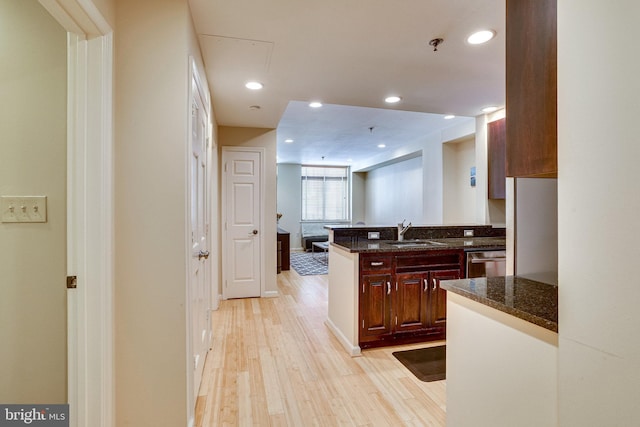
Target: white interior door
column 242, row 227
column 200, row 289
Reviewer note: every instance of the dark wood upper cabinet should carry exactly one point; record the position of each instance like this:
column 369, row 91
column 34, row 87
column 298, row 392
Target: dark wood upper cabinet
column 496, row 142
column 531, row 88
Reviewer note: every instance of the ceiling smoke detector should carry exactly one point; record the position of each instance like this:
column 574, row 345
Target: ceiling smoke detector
column 435, row 43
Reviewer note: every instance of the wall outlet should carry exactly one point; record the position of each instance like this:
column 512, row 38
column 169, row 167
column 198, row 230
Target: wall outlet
column 468, row 233
column 23, row 209
column 371, row 235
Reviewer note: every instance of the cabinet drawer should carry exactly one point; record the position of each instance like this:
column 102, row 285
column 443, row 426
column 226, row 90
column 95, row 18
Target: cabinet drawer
column 373, row 262
column 428, row 261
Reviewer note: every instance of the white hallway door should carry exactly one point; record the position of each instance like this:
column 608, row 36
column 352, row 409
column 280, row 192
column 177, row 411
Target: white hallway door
column 242, row 254
column 200, row 288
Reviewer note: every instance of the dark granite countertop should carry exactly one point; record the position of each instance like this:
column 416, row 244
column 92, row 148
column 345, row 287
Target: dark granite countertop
column 470, row 243
column 533, row 301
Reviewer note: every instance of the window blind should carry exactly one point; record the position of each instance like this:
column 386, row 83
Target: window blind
column 325, row 193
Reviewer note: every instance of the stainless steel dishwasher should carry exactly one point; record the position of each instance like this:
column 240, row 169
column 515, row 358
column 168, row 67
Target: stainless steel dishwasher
column 486, row 263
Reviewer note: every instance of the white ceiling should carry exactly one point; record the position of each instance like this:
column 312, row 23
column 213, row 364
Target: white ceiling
column 346, row 135
column 349, row 54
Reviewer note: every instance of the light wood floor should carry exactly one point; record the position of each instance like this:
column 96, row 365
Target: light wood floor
column 275, row 363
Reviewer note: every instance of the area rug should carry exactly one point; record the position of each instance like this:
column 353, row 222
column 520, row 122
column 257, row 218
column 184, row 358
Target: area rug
column 427, row 364
column 308, row 264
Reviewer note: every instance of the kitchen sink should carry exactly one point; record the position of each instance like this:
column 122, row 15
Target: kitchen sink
column 415, row 243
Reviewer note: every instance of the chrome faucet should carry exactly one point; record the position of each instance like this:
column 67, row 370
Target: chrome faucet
column 402, row 229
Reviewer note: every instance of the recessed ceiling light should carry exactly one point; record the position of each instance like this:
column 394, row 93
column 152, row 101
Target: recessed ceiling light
column 381, row 145
column 254, row 107
column 392, row 99
column 490, row 109
column 254, row 85
column 315, row 104
column 480, row 37
column 449, row 117
column 288, row 141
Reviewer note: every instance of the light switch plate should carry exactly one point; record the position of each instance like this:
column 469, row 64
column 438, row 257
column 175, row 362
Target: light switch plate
column 468, row 233
column 23, row 208
column 373, row 235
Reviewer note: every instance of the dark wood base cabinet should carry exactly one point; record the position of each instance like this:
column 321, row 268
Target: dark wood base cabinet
column 284, row 260
column 400, row 297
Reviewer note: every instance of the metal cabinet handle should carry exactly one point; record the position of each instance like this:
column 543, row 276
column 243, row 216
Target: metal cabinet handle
column 203, row 254
column 435, row 285
column 377, row 264
column 254, row 232
column 485, row 260
column 425, row 284
column 388, row 288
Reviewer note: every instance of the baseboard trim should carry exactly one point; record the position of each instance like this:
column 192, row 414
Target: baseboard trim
column 351, row 349
column 270, row 294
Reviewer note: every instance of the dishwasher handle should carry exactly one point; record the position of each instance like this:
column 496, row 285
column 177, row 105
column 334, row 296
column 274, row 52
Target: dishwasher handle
column 483, row 260
column 486, row 264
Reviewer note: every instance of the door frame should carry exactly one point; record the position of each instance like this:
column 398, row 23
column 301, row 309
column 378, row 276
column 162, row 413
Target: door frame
column 90, row 208
column 225, row 238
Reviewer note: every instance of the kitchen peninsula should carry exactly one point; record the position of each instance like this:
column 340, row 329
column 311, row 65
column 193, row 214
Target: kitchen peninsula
column 508, row 325
column 385, row 291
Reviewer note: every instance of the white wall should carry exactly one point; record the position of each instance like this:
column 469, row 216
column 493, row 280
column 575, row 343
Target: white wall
column 536, row 226
column 153, row 41
column 497, row 210
column 33, row 85
column 432, row 182
column 598, row 205
column 487, row 211
column 265, row 138
column 435, row 180
column 289, row 202
column 433, row 172
column 459, row 197
column 510, row 223
column 432, row 179
column 107, row 9
column 394, row 192
column 358, row 197
column 501, row 370
column 342, row 312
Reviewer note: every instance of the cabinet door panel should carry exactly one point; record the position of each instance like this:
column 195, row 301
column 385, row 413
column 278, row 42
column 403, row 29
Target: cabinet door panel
column 531, row 88
column 438, row 297
column 497, row 157
column 411, row 302
column 375, row 305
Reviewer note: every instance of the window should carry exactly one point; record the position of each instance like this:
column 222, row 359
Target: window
column 324, row 193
